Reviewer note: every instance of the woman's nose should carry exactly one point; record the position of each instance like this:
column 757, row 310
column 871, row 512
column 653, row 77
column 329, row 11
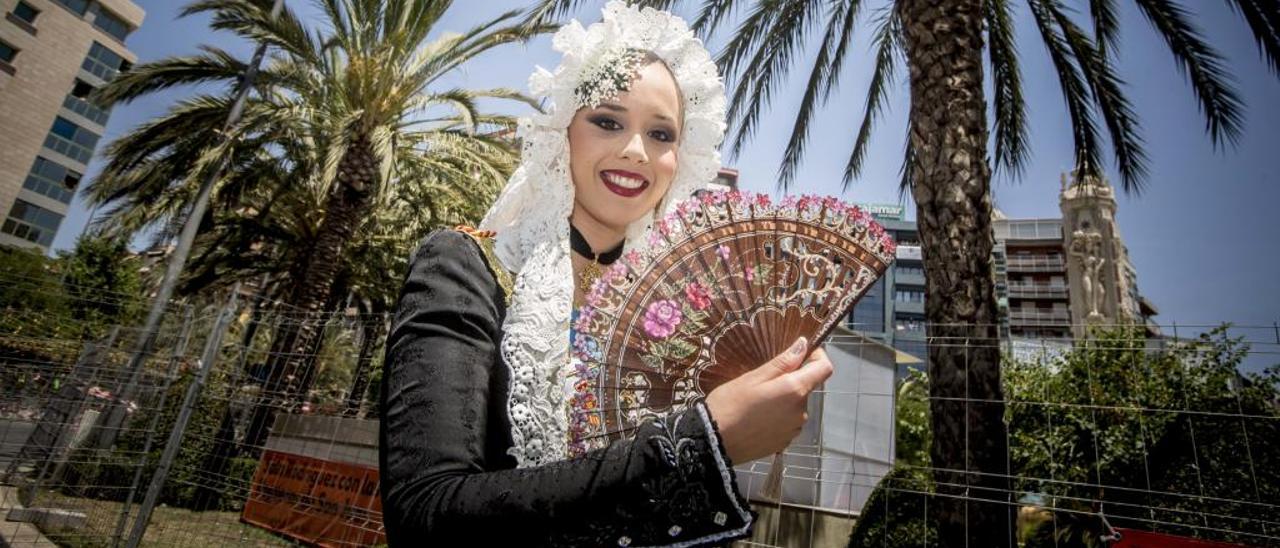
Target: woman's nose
column 634, row 150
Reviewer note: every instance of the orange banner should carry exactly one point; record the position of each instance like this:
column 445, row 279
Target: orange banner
column 1130, row 538
column 319, row 502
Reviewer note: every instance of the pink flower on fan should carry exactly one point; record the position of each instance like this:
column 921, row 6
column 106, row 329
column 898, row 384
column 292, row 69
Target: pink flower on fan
column 684, row 208
column 761, row 200
column 750, row 274
column 585, row 315
column 597, row 290
column 860, row 216
column 887, row 243
column 697, row 295
column 805, row 202
column 723, row 251
column 661, row 318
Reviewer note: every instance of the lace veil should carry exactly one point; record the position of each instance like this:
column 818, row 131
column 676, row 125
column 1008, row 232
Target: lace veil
column 531, row 215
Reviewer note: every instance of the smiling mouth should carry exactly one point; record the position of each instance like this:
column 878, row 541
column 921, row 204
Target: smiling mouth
column 624, row 183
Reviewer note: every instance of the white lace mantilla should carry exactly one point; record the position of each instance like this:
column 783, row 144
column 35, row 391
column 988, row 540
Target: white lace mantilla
column 531, row 216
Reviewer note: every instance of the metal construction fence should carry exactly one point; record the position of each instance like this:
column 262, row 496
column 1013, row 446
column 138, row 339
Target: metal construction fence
column 1123, row 433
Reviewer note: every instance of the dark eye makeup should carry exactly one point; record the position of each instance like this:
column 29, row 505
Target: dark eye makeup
column 607, row 123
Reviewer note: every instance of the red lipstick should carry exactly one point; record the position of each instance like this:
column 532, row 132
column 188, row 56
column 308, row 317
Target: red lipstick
column 620, row 190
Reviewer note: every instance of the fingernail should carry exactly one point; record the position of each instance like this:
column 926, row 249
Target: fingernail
column 798, row 347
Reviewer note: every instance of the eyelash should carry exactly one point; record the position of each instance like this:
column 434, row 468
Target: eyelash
column 609, row 124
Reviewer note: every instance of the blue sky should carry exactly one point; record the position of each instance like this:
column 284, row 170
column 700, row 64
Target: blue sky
column 1202, row 235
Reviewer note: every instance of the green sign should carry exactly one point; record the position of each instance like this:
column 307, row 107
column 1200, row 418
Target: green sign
column 883, row 211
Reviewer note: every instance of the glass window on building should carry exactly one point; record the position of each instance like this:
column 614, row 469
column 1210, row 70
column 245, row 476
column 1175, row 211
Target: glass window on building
column 71, row 140
column 78, row 102
column 7, row 52
column 52, row 179
column 868, row 314
column 32, row 223
column 905, row 323
column 25, row 12
column 78, row 7
column 109, row 23
column 104, row 63
column 904, row 270
column 81, row 89
column 909, row 295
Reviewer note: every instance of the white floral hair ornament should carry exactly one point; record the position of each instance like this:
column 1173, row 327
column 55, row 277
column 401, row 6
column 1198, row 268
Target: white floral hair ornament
column 531, row 216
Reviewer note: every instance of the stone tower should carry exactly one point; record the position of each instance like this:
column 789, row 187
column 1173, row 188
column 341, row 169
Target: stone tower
column 1103, row 283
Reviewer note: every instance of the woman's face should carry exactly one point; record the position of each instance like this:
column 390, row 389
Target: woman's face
column 623, row 153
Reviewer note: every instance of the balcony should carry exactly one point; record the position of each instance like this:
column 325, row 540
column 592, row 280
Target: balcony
column 1037, row 291
column 1028, row 229
column 1039, row 317
column 909, row 252
column 905, row 277
column 1036, row 263
column 910, row 307
column 84, row 108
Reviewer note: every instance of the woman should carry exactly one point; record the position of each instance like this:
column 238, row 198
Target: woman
column 474, row 442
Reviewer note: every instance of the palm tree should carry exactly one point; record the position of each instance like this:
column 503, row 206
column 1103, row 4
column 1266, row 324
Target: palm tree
column 361, row 91
column 270, row 234
column 946, row 167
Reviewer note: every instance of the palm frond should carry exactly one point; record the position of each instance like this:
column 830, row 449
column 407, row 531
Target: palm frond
column 747, row 37
column 906, row 177
column 768, row 69
column 1263, row 17
column 888, row 48
column 1219, row 102
column 214, row 65
column 712, row 14
column 838, row 18
column 254, row 21
column 480, row 40
column 1075, row 91
column 1106, row 25
column 1006, row 77
column 842, row 48
column 181, row 124
column 1105, row 86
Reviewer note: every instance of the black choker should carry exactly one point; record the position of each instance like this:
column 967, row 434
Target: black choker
column 580, row 246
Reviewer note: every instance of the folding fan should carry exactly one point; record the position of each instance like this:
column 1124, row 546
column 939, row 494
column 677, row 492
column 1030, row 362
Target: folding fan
column 729, row 280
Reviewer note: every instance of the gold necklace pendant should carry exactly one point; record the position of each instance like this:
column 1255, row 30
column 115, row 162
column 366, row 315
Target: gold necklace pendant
column 590, row 273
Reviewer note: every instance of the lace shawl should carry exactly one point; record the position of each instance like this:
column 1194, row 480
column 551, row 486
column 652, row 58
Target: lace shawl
column 531, row 215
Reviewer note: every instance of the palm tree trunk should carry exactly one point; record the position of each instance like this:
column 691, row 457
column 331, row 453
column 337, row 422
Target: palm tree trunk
column 372, row 331
column 287, row 378
column 951, row 184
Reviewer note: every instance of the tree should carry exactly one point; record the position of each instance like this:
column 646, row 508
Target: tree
column 1172, row 439
column 946, row 168
column 359, row 92
column 102, row 283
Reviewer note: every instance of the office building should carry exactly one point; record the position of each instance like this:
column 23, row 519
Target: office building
column 53, row 54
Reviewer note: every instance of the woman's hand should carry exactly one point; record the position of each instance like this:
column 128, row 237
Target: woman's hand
column 760, row 412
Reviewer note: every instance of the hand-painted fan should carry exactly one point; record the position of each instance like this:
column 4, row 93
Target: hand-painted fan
column 729, row 281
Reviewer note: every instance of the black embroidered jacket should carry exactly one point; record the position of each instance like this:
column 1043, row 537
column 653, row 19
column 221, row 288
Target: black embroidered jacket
column 446, row 476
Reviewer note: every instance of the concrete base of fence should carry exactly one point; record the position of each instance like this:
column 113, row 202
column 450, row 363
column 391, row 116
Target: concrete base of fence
column 13, row 533
column 49, row 518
